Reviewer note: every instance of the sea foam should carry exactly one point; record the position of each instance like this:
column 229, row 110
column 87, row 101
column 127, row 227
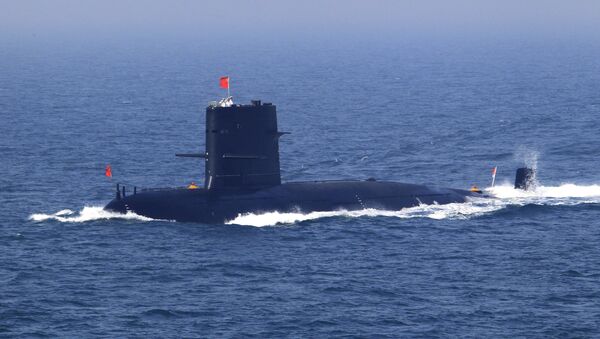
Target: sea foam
column 504, row 195
column 88, row 213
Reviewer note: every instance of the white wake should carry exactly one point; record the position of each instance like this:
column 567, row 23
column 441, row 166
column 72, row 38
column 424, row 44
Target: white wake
column 505, row 195
column 88, row 213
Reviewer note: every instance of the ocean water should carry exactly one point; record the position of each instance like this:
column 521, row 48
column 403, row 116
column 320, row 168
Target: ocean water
column 437, row 112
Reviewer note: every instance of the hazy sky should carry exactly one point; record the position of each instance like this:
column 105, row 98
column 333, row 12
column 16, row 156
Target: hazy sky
column 226, row 18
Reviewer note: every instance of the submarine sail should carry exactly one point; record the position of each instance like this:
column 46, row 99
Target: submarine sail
column 242, row 147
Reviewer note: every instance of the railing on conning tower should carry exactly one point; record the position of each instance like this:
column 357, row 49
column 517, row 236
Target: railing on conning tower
column 225, row 102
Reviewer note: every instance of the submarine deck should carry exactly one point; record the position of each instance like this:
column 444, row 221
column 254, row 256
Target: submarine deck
column 203, row 205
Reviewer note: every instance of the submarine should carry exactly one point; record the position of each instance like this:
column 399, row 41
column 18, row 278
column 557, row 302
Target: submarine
column 242, row 175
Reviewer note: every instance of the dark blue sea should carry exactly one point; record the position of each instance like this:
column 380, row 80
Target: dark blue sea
column 444, row 112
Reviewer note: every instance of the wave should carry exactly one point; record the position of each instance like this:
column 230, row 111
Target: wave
column 88, row 213
column 562, row 191
column 448, row 211
column 504, row 196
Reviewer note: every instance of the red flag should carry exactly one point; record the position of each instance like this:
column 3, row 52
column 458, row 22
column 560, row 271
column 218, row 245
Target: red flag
column 108, row 171
column 494, row 171
column 224, row 82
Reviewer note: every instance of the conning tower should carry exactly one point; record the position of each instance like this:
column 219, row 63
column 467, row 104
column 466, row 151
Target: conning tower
column 242, row 146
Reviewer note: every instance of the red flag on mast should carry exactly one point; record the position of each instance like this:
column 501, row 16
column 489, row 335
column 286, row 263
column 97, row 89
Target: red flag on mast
column 108, row 171
column 224, row 82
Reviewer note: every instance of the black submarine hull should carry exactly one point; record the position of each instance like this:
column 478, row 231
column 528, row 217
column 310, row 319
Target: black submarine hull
column 220, row 206
column 242, row 175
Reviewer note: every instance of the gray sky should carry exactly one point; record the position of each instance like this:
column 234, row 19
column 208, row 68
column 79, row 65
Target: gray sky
column 307, row 18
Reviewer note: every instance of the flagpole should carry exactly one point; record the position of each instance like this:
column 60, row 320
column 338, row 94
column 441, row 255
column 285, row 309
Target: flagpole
column 494, row 176
column 228, row 85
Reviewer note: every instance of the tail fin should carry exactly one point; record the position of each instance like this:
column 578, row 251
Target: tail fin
column 525, row 178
